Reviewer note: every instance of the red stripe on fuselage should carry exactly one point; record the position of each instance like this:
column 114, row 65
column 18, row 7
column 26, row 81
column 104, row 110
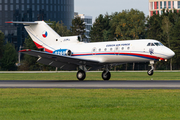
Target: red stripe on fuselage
column 141, row 55
column 129, row 54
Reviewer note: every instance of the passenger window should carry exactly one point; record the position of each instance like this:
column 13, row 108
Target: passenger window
column 105, row 49
column 128, row 48
column 99, row 49
column 122, row 48
column 110, row 49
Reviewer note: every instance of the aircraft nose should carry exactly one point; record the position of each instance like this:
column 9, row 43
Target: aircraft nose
column 170, row 53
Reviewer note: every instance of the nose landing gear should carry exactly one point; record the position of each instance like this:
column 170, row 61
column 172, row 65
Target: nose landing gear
column 150, row 71
column 106, row 75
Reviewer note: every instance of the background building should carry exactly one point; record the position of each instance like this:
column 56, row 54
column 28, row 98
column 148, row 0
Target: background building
column 88, row 24
column 156, row 6
column 32, row 10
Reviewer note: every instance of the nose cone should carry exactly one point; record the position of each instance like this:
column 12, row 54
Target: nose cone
column 172, row 53
column 169, row 53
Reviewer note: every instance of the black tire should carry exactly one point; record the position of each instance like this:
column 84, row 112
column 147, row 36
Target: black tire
column 150, row 72
column 106, row 76
column 81, row 75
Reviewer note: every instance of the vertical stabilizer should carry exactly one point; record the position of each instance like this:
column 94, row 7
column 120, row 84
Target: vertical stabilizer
column 42, row 35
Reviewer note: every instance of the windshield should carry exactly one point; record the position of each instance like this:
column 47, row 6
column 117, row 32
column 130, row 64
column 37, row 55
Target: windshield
column 161, row 44
column 158, row 44
column 155, row 44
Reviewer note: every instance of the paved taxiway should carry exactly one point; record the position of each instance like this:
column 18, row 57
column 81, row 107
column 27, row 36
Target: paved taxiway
column 90, row 84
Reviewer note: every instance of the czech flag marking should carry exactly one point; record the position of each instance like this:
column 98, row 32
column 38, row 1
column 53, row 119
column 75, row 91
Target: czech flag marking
column 45, row 34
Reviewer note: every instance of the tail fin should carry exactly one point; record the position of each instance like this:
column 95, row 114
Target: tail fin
column 42, row 34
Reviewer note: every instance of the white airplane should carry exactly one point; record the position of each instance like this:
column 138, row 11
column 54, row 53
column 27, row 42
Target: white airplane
column 68, row 53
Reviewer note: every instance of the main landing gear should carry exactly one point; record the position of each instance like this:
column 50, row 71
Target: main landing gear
column 81, row 74
column 151, row 70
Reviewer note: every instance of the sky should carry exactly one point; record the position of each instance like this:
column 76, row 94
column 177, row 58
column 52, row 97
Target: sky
column 96, row 7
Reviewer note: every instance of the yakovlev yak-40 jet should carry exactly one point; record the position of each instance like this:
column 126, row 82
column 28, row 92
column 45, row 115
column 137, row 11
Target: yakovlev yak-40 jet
column 69, row 54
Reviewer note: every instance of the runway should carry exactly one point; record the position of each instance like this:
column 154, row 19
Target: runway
column 90, row 84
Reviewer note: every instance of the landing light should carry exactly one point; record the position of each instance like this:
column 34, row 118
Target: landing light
column 161, row 59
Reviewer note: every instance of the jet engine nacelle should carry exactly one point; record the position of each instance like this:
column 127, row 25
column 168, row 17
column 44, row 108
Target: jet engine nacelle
column 63, row 52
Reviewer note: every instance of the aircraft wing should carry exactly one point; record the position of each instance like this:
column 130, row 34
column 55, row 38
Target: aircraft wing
column 63, row 62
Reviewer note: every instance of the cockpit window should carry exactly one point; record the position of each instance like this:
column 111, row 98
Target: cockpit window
column 161, row 44
column 158, row 44
column 155, row 44
column 152, row 44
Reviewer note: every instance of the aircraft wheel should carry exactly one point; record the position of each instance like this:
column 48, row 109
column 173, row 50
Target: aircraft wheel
column 81, row 75
column 150, row 72
column 106, row 76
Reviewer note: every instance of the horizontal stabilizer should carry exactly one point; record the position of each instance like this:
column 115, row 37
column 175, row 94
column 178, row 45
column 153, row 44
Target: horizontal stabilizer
column 24, row 23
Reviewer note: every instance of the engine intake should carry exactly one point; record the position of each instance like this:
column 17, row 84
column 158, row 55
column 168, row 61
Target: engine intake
column 68, row 52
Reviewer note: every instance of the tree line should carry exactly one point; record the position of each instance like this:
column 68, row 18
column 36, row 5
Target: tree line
column 126, row 25
column 8, row 55
column 132, row 24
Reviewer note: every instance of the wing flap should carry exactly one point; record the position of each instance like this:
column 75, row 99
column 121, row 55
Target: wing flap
column 61, row 65
column 44, row 61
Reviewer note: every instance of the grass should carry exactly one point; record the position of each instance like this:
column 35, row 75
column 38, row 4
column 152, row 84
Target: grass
column 90, row 76
column 89, row 104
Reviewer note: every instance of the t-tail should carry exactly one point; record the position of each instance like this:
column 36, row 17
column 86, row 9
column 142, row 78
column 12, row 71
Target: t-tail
column 44, row 36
